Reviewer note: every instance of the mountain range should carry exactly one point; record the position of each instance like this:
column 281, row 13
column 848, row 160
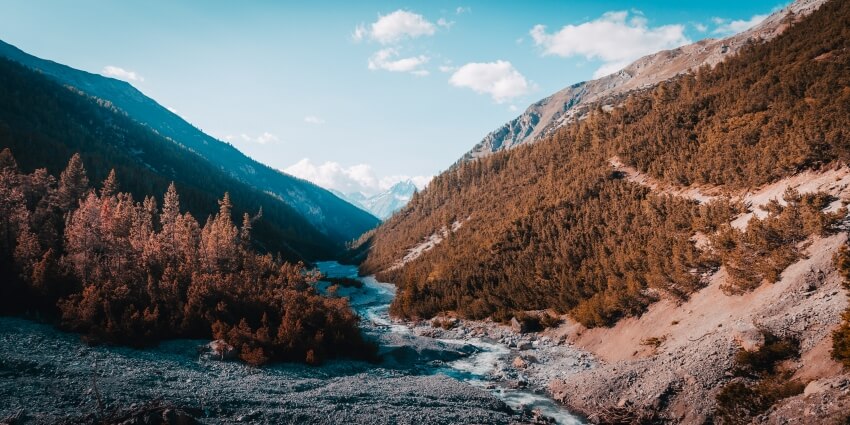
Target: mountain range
column 384, row 204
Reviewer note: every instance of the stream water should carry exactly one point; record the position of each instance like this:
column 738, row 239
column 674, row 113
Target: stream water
column 478, row 360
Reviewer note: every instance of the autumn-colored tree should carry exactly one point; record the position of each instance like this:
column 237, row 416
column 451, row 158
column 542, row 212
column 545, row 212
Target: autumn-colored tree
column 73, row 184
column 124, row 272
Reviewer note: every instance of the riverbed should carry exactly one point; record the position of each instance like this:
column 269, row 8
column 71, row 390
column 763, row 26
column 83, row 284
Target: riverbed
column 50, row 376
column 479, row 368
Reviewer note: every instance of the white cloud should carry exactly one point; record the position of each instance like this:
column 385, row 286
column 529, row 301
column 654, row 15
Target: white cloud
column 442, row 22
column 360, row 32
column 394, row 27
column 616, row 38
column 387, row 59
column 461, row 10
column 263, row 139
column 446, row 68
column 352, row 179
column 121, row 73
column 312, row 119
column 266, row 137
column 498, row 79
column 727, row 27
column 701, row 27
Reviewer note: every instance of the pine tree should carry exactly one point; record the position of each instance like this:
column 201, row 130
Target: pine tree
column 73, row 183
column 168, row 220
column 110, row 185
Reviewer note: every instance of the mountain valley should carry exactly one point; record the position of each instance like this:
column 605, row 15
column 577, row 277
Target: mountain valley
column 664, row 244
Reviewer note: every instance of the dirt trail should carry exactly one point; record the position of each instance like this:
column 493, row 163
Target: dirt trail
column 834, row 181
column 700, row 194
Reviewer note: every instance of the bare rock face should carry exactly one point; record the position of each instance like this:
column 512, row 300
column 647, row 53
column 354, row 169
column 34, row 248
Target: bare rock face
column 544, row 117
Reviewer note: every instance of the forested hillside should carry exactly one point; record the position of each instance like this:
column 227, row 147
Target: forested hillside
column 134, row 272
column 551, row 225
column 44, row 124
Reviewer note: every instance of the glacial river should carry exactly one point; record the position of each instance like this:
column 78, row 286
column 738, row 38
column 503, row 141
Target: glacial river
column 482, row 357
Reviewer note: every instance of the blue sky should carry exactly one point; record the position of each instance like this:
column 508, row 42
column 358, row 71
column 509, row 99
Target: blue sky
column 356, row 95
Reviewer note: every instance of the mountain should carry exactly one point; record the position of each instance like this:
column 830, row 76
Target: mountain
column 384, row 204
column 692, row 236
column 544, row 117
column 44, row 124
column 334, row 217
column 543, row 226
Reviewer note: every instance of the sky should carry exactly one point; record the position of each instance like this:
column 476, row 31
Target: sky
column 356, row 96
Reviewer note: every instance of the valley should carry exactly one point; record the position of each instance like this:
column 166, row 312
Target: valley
column 665, row 243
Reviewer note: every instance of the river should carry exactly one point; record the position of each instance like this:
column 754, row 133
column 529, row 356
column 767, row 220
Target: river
column 481, row 358
column 51, row 376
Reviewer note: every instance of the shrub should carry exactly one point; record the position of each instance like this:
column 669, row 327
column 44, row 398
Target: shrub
column 763, row 361
column 738, row 402
column 345, row 282
column 764, row 385
column 841, row 335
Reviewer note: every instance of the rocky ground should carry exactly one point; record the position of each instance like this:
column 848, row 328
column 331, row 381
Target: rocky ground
column 528, row 360
column 47, row 376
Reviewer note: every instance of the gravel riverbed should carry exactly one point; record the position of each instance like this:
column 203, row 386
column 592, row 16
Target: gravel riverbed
column 428, row 376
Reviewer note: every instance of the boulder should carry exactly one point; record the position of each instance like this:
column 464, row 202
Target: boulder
column 815, row 387
column 519, row 363
column 750, row 339
column 518, row 326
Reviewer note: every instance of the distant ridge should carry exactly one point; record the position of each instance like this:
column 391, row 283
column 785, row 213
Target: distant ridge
column 384, row 204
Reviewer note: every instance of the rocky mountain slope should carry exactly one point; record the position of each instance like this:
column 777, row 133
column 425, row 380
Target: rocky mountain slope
column 545, row 116
column 677, row 357
column 336, row 218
